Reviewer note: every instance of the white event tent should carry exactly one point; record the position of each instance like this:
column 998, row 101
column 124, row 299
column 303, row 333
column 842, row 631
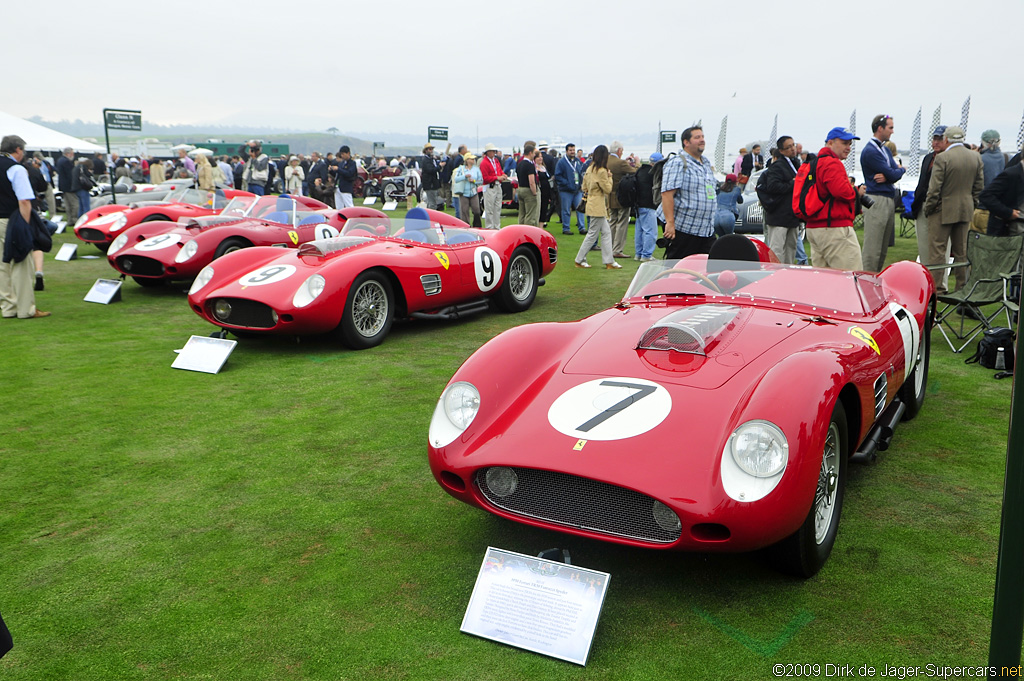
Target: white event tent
column 39, row 137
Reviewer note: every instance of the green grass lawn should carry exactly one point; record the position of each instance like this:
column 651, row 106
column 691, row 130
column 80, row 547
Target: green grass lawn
column 279, row 520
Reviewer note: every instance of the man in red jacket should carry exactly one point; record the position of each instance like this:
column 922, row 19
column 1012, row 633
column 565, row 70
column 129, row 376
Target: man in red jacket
column 833, row 242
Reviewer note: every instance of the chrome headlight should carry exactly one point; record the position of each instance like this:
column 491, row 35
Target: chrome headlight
column 82, row 219
column 117, row 244
column 202, row 280
column 187, row 251
column 456, row 409
column 309, row 290
column 120, row 221
column 759, row 448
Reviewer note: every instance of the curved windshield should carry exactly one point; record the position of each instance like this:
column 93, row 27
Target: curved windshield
column 824, row 291
column 239, row 206
column 419, row 231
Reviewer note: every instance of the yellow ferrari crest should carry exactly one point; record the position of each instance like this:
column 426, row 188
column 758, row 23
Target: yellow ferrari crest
column 294, row 237
column 442, row 258
column 863, row 335
column 580, row 444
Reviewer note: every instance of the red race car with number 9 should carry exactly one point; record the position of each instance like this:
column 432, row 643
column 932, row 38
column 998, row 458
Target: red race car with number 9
column 429, row 265
column 715, row 408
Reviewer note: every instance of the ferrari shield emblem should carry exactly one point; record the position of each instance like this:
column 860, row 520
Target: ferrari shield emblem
column 580, row 444
column 294, row 237
column 861, row 334
column 442, row 258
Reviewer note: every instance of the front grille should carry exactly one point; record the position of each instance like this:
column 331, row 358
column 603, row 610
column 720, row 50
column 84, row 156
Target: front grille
column 552, row 255
column 431, row 284
column 581, row 503
column 881, row 388
column 248, row 313
column 92, row 235
column 140, row 265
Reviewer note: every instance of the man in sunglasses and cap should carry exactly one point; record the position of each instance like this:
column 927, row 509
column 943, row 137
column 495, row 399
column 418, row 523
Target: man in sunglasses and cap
column 833, row 242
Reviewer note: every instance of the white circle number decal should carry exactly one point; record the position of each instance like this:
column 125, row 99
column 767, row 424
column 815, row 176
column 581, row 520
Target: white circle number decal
column 155, row 243
column 487, row 266
column 267, row 275
column 326, row 232
column 610, row 409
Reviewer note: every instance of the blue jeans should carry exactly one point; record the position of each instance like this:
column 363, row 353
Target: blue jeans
column 83, row 202
column 725, row 222
column 568, row 200
column 256, row 189
column 458, row 207
column 801, row 255
column 646, row 232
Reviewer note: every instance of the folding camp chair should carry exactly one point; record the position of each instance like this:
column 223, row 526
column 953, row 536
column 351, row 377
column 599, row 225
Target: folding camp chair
column 993, row 262
column 908, row 227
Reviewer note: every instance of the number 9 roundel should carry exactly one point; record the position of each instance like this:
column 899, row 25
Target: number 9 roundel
column 487, row 266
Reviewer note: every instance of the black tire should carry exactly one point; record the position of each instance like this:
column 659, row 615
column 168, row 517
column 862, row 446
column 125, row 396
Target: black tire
column 369, row 311
column 156, row 218
column 391, row 192
column 520, row 286
column 804, row 552
column 229, row 246
column 104, row 247
column 914, row 388
column 146, row 282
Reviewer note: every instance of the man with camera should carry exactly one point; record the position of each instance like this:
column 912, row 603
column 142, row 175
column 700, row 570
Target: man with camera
column 834, row 244
column 257, row 172
column 881, row 172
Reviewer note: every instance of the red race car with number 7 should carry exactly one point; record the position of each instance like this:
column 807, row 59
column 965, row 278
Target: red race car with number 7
column 715, row 408
column 355, row 285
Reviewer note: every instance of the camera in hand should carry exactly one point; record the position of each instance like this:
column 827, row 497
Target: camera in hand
column 867, row 201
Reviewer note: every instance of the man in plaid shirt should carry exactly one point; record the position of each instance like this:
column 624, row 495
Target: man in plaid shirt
column 688, row 198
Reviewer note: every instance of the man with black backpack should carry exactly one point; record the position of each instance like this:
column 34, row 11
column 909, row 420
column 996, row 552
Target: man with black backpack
column 775, row 192
column 825, row 198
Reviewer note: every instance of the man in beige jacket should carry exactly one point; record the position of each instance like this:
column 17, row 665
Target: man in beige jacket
column 957, row 180
column 618, row 216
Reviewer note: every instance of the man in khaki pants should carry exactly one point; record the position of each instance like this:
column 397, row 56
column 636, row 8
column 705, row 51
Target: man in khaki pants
column 956, row 182
column 17, row 296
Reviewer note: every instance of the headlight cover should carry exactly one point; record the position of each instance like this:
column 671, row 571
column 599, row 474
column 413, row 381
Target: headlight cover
column 187, row 251
column 455, row 411
column 82, row 219
column 309, row 290
column 117, row 244
column 120, row 221
column 205, row 275
column 754, row 460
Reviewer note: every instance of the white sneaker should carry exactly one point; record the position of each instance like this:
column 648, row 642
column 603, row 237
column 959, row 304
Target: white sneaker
column 584, row 264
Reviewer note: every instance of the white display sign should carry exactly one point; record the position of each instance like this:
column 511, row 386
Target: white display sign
column 205, row 354
column 104, row 291
column 369, row 200
column 61, row 226
column 390, row 205
column 536, row 604
column 67, row 252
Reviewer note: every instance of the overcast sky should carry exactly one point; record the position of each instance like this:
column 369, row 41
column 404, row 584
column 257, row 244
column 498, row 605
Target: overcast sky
column 534, row 68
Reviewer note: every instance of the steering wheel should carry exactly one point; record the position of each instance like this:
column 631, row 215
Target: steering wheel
column 710, row 284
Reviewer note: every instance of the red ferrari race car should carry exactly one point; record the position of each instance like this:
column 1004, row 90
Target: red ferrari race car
column 155, row 252
column 100, row 225
column 715, row 408
column 355, row 285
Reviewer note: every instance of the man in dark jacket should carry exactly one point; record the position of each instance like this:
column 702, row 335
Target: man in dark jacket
column 345, row 173
column 752, row 162
column 65, row 167
column 430, row 176
column 775, row 191
column 1004, row 197
column 921, row 192
column 317, row 177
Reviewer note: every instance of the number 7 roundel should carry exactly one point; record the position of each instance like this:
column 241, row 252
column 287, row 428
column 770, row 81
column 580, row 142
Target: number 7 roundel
column 610, row 408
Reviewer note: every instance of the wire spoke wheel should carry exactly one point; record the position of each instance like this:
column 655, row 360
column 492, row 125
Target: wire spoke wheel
column 521, row 278
column 370, row 308
column 828, row 485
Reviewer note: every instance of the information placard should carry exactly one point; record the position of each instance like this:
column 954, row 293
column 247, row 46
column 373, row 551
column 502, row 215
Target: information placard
column 67, row 252
column 205, row 354
column 104, row 292
column 668, row 136
column 390, row 205
column 437, row 132
column 536, row 604
column 369, row 200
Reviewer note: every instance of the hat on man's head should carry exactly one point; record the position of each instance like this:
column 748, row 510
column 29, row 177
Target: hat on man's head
column 542, row 145
column 490, row 147
column 428, row 145
column 940, row 130
column 954, row 133
column 990, row 136
column 840, row 134
column 656, row 156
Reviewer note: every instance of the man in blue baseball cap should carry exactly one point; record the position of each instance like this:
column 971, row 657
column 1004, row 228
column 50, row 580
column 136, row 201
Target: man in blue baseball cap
column 834, row 244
